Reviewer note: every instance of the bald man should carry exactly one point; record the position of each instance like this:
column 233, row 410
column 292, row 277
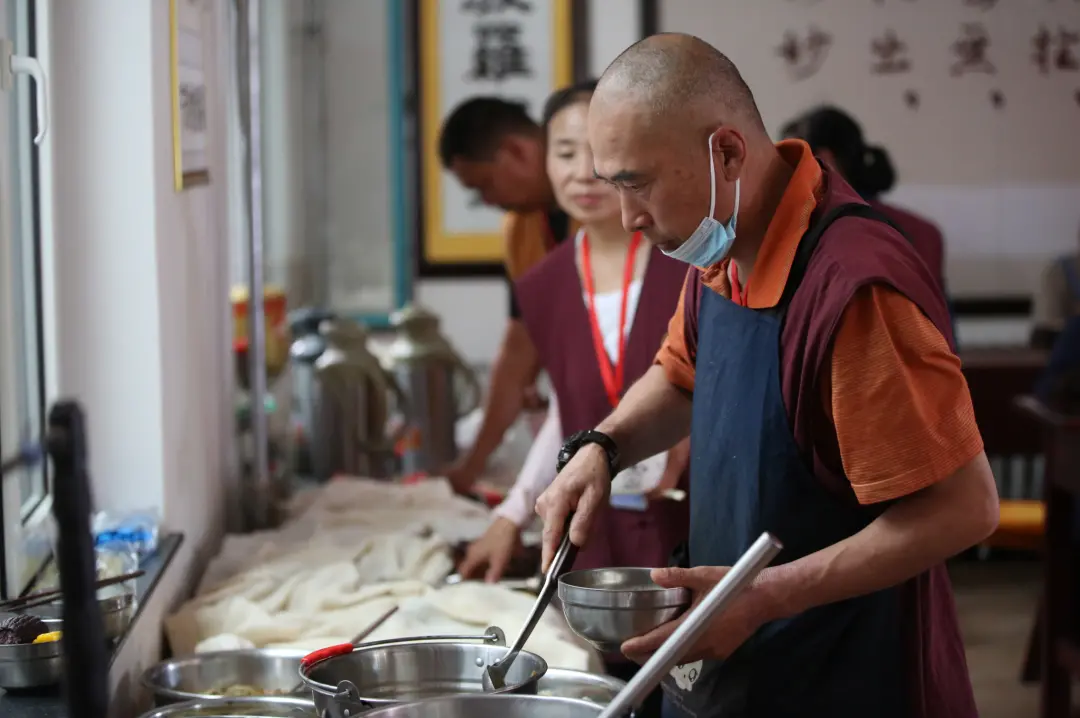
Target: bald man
column 810, row 363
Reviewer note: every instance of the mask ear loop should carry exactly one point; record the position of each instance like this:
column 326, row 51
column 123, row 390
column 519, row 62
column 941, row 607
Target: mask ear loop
column 735, row 212
column 712, row 178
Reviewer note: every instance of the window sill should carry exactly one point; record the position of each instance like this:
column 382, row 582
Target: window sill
column 49, row 702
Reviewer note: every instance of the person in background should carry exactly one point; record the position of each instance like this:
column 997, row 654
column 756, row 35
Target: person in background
column 596, row 309
column 496, row 150
column 1056, row 301
column 836, row 137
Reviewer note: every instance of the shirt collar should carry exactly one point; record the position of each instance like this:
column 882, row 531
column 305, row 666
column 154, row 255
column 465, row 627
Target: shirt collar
column 765, row 285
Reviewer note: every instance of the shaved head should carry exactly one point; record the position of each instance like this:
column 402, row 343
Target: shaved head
column 674, row 127
column 674, row 73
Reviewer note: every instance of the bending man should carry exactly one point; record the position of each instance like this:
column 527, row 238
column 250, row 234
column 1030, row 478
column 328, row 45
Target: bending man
column 810, row 363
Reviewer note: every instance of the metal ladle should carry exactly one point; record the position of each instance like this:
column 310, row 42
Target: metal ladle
column 494, row 677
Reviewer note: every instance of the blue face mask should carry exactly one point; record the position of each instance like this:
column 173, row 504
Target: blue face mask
column 711, row 241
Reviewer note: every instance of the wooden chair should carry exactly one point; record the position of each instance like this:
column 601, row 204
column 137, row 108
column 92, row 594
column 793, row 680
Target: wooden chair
column 1013, row 443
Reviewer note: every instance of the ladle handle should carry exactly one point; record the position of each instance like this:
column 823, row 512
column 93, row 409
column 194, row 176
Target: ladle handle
column 745, row 570
column 564, row 559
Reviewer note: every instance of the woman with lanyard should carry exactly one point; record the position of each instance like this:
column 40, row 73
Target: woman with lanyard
column 596, row 310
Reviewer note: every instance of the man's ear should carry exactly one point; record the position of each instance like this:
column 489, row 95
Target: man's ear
column 516, row 146
column 730, row 148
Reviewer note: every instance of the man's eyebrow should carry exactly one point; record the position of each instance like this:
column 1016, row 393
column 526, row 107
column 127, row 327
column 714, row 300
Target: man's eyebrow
column 620, row 176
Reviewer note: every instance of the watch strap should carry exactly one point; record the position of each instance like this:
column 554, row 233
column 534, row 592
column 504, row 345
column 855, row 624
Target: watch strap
column 582, row 438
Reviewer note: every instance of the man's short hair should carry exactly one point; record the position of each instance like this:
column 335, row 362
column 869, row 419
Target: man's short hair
column 476, row 127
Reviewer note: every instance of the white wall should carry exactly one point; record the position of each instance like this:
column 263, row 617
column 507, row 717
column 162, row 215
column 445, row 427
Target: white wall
column 140, row 323
column 1004, row 184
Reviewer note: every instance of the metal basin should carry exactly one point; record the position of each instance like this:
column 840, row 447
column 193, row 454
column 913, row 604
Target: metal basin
column 592, row 687
column 491, row 706
column 259, row 707
column 607, row 606
column 210, row 675
column 117, row 610
column 31, row 665
column 378, row 675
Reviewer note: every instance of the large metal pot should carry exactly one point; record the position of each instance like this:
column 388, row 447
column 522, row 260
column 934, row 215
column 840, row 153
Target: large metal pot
column 347, row 679
column 492, row 706
column 211, row 675
column 579, row 685
column 261, row 707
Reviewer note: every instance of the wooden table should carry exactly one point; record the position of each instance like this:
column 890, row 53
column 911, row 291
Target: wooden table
column 1060, row 652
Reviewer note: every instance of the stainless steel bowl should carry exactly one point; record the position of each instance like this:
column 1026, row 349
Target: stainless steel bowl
column 117, row 609
column 592, row 687
column 491, row 706
column 256, row 707
column 379, row 675
column 606, row 606
column 31, row 665
column 208, row 675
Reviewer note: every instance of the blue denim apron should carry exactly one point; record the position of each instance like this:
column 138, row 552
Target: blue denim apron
column 842, row 660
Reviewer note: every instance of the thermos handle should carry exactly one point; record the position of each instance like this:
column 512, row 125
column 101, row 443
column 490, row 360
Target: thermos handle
column 403, row 407
column 473, row 393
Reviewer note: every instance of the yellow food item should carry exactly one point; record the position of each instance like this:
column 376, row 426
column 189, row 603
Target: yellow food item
column 49, row 637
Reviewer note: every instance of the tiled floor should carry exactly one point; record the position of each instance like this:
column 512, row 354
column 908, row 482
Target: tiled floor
column 996, row 603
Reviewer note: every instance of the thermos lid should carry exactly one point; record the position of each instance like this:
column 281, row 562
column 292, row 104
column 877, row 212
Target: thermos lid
column 306, row 320
column 414, row 318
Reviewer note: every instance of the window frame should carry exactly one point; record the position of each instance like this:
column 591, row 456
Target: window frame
column 26, row 538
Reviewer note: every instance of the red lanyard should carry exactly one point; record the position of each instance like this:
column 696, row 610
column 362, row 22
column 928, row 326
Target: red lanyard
column 613, row 376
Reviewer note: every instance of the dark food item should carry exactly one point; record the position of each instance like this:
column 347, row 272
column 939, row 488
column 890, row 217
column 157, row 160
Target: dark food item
column 21, row 629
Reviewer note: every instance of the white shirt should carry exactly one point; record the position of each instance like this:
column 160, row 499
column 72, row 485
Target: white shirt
column 539, row 469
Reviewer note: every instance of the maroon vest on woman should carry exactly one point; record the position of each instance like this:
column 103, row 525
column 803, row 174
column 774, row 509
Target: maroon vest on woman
column 852, row 254
column 552, row 306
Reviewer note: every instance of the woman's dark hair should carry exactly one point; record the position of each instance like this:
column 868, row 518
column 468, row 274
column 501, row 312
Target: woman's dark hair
column 561, row 99
column 868, row 168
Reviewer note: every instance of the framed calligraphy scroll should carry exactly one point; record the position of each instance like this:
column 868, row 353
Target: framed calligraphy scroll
column 189, row 31
column 519, row 49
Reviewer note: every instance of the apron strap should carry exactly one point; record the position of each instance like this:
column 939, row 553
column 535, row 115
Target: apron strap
column 809, row 244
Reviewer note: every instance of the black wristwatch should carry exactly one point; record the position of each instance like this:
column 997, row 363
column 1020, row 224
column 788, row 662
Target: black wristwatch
column 580, row 439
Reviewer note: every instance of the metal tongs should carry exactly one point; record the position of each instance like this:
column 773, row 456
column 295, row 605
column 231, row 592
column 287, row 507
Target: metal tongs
column 494, row 677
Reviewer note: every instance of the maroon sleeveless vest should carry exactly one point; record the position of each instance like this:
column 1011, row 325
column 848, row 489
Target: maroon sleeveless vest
column 852, row 254
column 857, row 253
column 552, row 306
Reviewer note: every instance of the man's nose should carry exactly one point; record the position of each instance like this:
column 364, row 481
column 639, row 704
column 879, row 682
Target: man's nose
column 634, row 218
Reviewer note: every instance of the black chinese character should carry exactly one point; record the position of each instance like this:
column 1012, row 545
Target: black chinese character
column 890, row 54
column 970, row 51
column 911, row 99
column 486, row 7
column 804, row 57
column 499, row 53
column 997, row 99
column 1055, row 51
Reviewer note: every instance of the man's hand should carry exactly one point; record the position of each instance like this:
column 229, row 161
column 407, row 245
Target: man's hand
column 582, row 487
column 749, row 611
column 462, row 475
column 493, row 551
